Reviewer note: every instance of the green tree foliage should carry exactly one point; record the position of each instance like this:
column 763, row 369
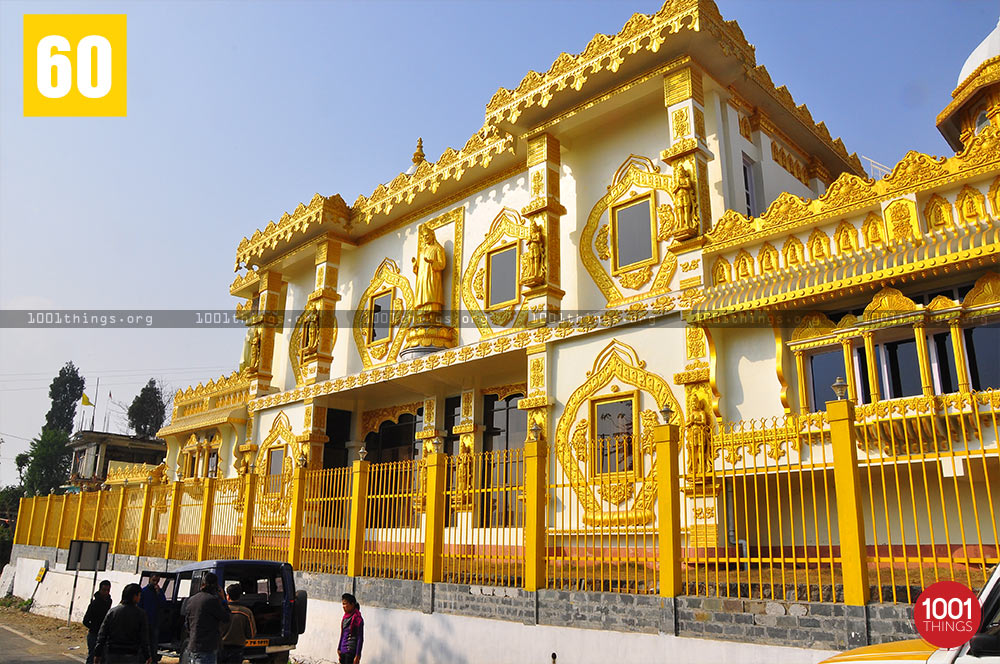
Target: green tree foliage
column 65, row 391
column 50, row 461
column 148, row 410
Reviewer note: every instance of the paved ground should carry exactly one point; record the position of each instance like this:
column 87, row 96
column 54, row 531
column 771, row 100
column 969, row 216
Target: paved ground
column 18, row 646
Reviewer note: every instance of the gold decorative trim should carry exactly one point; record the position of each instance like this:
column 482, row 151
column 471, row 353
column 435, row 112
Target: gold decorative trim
column 504, row 391
column 371, row 420
column 508, row 223
column 321, row 210
column 386, row 276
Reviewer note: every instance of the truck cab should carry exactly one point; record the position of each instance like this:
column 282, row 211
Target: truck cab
column 268, row 591
column 983, row 648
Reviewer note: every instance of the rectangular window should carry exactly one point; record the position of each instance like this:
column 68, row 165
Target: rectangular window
column 634, row 232
column 501, row 276
column 380, row 315
column 275, row 460
column 982, row 348
column 750, row 186
column 824, row 369
column 213, row 463
column 612, row 447
column 943, row 363
column 903, row 369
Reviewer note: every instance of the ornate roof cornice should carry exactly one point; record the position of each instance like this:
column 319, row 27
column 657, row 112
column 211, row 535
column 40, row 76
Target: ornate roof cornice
column 321, row 210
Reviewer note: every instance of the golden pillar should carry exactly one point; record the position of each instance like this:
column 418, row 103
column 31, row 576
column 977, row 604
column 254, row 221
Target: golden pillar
column 319, row 331
column 540, row 265
column 267, row 319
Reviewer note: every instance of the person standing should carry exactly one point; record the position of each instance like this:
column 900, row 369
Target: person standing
column 124, row 634
column 242, row 628
column 151, row 600
column 92, row 620
column 207, row 618
column 352, row 631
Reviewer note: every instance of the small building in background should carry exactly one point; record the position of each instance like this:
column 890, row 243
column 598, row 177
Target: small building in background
column 99, row 456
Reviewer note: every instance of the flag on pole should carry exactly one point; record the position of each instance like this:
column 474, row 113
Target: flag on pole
column 86, row 401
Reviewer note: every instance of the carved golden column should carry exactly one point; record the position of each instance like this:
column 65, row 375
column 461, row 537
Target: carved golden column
column 431, row 437
column 317, row 356
column 920, row 335
column 471, row 441
column 958, row 346
column 873, row 369
column 852, row 383
column 800, row 376
column 270, row 312
column 543, row 294
column 313, row 436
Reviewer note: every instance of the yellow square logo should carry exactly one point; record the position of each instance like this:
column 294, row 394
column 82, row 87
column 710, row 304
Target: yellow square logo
column 74, row 65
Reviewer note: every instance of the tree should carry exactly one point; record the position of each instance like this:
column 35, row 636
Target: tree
column 65, row 391
column 148, row 410
column 50, row 460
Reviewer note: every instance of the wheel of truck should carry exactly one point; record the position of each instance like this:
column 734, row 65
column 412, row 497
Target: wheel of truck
column 279, row 658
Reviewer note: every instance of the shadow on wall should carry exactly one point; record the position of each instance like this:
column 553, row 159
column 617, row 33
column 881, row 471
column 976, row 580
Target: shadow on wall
column 393, row 643
column 740, row 351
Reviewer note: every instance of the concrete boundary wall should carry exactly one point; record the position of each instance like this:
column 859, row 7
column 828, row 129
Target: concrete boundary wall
column 492, row 611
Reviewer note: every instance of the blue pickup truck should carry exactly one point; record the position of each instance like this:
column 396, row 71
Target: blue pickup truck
column 268, row 591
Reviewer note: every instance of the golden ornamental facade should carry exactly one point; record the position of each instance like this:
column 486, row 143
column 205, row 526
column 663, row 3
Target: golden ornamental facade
column 649, row 234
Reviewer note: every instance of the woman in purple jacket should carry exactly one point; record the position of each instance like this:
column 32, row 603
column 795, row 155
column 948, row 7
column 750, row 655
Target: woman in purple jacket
column 352, row 631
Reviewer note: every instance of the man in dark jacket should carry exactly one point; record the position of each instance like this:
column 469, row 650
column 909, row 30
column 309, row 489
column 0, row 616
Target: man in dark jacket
column 95, row 616
column 124, row 634
column 207, row 618
column 151, row 600
column 242, row 628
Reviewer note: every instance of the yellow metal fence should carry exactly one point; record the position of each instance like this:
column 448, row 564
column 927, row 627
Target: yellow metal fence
column 873, row 502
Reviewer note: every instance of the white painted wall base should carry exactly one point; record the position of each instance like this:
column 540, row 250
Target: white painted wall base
column 394, row 636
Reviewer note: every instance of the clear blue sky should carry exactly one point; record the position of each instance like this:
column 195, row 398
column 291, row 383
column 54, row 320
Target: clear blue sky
column 239, row 110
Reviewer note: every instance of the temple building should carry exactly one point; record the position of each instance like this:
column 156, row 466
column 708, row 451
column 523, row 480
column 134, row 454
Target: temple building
column 650, row 232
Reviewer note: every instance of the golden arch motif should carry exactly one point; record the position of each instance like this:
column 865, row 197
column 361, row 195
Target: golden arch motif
column 722, row 272
column 819, row 245
column 994, row 196
column 273, row 506
column 888, row 302
column 938, row 213
column 767, row 258
column 873, row 229
column 387, row 275
column 813, row 325
column 638, row 172
column 508, row 224
column 846, row 238
column 617, row 362
column 793, row 252
column 744, row 265
column 971, row 205
column 986, row 291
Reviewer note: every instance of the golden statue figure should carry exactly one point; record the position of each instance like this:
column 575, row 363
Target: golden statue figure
column 462, row 498
column 699, row 441
column 533, row 261
column 686, row 213
column 428, row 266
column 310, row 329
column 255, row 342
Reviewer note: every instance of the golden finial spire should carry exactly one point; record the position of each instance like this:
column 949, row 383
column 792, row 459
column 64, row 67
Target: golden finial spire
column 418, row 155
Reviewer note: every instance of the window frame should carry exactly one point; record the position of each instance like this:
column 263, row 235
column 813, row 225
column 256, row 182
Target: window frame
column 272, row 478
column 516, row 245
column 636, row 471
column 616, row 267
column 391, row 292
column 749, row 172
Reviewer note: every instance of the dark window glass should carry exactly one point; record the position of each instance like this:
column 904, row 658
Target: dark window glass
column 982, row 346
column 505, row 430
column 824, row 368
column 904, row 369
column 275, row 459
column 502, row 270
column 633, row 236
column 381, row 314
column 394, row 441
column 945, row 362
column 613, row 421
column 748, row 186
column 506, row 426
column 452, row 416
column 213, row 463
column 864, row 386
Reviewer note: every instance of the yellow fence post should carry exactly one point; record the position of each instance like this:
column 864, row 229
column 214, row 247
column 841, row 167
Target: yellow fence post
column 172, row 518
column 62, row 520
column 853, row 555
column 97, row 514
column 18, row 528
column 297, row 516
column 434, row 517
column 667, row 437
column 45, row 522
column 246, row 532
column 119, row 518
column 31, row 519
column 535, row 498
column 207, row 507
column 79, row 515
column 359, row 499
column 147, row 495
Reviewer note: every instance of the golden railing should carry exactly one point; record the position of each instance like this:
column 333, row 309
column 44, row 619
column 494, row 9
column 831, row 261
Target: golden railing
column 484, row 518
column 602, row 535
column 759, row 518
column 854, row 504
column 394, row 520
column 326, row 516
column 930, row 475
